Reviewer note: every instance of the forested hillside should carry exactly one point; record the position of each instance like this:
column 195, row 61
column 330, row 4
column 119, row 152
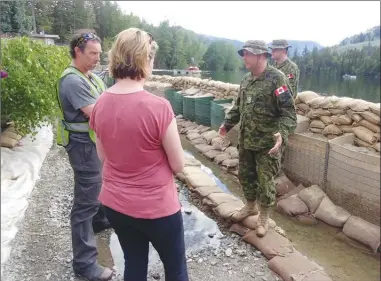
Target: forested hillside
column 178, row 46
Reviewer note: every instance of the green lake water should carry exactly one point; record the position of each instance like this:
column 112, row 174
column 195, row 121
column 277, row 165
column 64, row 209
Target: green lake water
column 360, row 88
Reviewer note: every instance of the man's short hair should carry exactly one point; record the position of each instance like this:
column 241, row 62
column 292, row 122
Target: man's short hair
column 80, row 39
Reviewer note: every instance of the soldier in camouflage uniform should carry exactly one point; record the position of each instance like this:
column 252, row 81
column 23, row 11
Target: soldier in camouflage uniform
column 283, row 63
column 266, row 112
column 288, row 67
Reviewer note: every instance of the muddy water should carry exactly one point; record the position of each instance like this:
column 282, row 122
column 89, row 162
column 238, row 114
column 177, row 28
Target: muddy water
column 340, row 260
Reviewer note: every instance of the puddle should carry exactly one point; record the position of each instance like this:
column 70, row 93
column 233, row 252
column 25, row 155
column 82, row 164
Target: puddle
column 200, row 233
column 340, row 260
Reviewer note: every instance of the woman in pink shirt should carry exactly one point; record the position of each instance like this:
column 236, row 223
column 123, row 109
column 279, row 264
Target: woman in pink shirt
column 139, row 146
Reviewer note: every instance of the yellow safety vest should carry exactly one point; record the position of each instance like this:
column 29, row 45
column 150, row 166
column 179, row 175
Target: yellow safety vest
column 64, row 127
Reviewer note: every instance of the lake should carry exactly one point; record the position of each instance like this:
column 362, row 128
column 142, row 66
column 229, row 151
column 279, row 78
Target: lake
column 360, row 88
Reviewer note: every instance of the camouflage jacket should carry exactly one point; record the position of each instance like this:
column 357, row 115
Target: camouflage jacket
column 291, row 70
column 264, row 106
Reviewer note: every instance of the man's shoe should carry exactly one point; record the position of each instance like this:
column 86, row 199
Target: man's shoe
column 263, row 222
column 250, row 209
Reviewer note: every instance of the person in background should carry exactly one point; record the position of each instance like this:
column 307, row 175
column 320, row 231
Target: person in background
column 139, row 146
column 266, row 112
column 290, row 69
column 279, row 49
column 78, row 90
column 3, row 74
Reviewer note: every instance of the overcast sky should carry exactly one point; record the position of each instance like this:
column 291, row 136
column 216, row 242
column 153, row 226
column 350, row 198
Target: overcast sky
column 324, row 22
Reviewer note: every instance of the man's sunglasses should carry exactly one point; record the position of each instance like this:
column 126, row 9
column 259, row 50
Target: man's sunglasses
column 86, row 37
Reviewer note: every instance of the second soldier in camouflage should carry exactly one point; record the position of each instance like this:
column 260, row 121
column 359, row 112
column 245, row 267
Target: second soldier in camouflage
column 266, row 112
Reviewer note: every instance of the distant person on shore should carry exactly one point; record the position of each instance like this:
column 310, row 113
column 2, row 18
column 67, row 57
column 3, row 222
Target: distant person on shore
column 139, row 146
column 266, row 112
column 279, row 49
column 78, row 90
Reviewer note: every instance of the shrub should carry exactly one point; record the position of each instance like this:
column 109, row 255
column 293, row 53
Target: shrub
column 28, row 95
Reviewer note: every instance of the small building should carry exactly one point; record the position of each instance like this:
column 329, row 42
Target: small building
column 48, row 39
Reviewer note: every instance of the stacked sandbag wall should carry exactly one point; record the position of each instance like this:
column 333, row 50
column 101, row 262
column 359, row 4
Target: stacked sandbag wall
column 332, row 117
column 283, row 258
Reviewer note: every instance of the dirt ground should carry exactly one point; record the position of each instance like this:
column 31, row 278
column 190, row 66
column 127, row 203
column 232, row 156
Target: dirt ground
column 42, row 247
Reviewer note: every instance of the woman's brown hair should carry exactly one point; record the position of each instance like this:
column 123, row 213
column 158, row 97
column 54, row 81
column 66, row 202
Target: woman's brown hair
column 131, row 53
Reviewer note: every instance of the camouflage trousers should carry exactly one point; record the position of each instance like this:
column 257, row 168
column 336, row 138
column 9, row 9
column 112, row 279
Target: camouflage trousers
column 257, row 170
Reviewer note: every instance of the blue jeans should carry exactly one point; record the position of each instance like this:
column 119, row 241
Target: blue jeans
column 167, row 237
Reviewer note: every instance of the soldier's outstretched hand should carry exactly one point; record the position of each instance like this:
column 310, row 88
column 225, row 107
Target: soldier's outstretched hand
column 278, row 144
column 222, row 130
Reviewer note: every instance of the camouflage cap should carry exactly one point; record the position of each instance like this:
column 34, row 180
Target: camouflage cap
column 280, row 44
column 256, row 47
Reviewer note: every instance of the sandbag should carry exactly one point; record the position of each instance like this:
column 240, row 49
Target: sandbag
column 316, row 113
column 292, row 206
column 327, row 102
column 186, row 129
column 9, row 134
column 332, row 130
column 208, row 136
column 283, row 185
column 354, row 116
column 306, row 96
column 294, row 191
column 193, row 136
column 12, row 129
column 371, row 117
column 296, row 267
column 363, row 231
column 189, row 161
column 204, row 191
column 221, row 157
column 341, row 120
column 365, row 123
column 377, row 146
column 375, row 108
column 202, row 129
column 203, row 148
column 316, row 130
column 252, row 221
column 297, row 101
column 271, row 245
column 211, row 154
column 331, row 214
column 326, row 121
column 226, row 210
column 207, row 202
column 314, row 103
column 219, row 143
column 198, row 141
column 337, row 111
column 346, row 129
column 302, row 106
column 318, row 124
column 8, row 142
column 219, row 198
column 359, row 105
column 344, row 103
column 238, row 229
column 197, row 179
column 181, row 177
column 312, row 197
column 230, row 163
column 233, row 151
column 354, row 243
column 193, row 131
column 361, row 143
column 364, row 134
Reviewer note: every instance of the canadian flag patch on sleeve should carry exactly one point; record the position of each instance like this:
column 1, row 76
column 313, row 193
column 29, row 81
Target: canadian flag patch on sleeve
column 290, row 76
column 281, row 90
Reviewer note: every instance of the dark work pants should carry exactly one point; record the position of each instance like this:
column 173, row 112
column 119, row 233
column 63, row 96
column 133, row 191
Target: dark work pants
column 167, row 237
column 87, row 184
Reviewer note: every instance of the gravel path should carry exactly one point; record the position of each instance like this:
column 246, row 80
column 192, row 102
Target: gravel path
column 42, row 248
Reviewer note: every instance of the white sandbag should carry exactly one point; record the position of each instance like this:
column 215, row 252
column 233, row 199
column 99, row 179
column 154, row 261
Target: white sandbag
column 312, row 197
column 292, row 206
column 306, row 96
column 363, row 231
column 331, row 214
